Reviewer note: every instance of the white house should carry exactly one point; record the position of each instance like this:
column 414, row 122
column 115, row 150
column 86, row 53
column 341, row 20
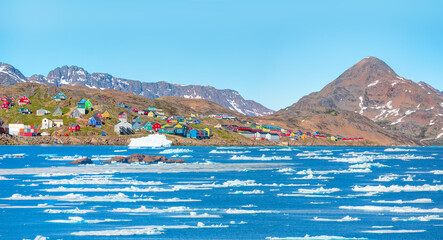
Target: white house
column 121, row 126
column 58, row 122
column 42, row 112
column 14, row 129
column 47, row 123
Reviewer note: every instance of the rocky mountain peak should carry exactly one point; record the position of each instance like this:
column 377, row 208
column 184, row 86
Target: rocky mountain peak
column 372, row 89
column 77, row 76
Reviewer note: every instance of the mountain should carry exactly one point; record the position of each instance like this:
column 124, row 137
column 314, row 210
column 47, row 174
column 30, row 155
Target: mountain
column 373, row 90
column 77, row 76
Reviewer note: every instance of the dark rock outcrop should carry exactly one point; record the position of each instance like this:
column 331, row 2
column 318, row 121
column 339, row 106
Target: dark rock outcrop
column 82, row 161
column 141, row 158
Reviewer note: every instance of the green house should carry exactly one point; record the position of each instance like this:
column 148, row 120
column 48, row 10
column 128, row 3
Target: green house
column 88, row 104
column 24, row 111
column 60, row 96
column 57, row 112
column 147, row 126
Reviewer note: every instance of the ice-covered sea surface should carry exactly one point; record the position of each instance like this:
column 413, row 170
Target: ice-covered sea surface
column 222, row 193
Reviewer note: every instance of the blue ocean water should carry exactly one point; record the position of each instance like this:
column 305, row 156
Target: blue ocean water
column 222, row 193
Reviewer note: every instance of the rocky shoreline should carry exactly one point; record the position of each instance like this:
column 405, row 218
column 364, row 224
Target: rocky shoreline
column 213, row 142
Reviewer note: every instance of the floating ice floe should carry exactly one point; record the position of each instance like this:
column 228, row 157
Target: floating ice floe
column 368, row 165
column 426, row 218
column 386, row 178
column 319, row 190
column 127, row 189
column 82, row 220
column 5, row 179
column 344, row 219
column 393, row 209
column 420, row 200
column 245, row 211
column 195, row 215
column 307, row 237
column 55, row 174
column 157, row 168
column 311, row 176
column 176, row 150
column 65, row 158
column 143, row 209
column 352, row 170
column 228, row 152
column 153, row 140
column 262, row 158
column 120, row 232
column 382, row 226
column 71, row 211
column 437, row 172
column 384, row 231
column 397, row 188
column 119, row 197
column 144, row 230
column 255, row 191
column 400, row 150
column 98, row 181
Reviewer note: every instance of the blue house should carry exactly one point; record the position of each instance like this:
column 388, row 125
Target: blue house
column 196, row 121
column 82, row 101
column 137, row 120
column 193, row 133
column 95, row 122
column 103, row 133
column 136, row 126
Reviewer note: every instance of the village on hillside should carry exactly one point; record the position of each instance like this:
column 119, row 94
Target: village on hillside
column 24, row 117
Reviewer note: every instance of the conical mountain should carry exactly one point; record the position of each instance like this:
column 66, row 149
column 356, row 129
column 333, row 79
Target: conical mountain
column 372, row 89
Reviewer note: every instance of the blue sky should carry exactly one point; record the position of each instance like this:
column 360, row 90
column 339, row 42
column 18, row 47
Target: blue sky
column 273, row 52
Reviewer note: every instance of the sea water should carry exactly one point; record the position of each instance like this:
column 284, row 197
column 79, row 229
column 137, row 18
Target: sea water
column 222, row 193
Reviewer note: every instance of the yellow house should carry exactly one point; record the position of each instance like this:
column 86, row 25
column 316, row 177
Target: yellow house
column 178, row 126
column 207, row 130
column 106, row 114
column 218, row 125
column 151, row 114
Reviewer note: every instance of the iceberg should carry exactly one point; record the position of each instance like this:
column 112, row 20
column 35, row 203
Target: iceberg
column 153, row 140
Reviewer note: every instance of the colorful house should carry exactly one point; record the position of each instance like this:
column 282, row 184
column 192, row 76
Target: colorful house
column 74, row 127
column 58, row 122
column 57, row 112
column 123, row 117
column 47, row 123
column 59, row 97
column 95, row 122
column 24, row 111
column 135, row 110
column 136, row 126
column 137, row 120
column 123, row 128
column 4, row 106
column 152, row 114
column 106, row 115
column 81, row 107
column 42, row 112
column 156, row 126
column 103, row 133
column 147, row 126
column 76, row 114
column 168, row 130
column 88, row 104
column 24, row 100
column 99, row 115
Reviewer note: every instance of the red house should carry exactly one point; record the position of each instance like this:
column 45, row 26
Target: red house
column 4, row 106
column 156, row 126
column 135, row 110
column 73, row 127
column 99, row 115
column 24, row 100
